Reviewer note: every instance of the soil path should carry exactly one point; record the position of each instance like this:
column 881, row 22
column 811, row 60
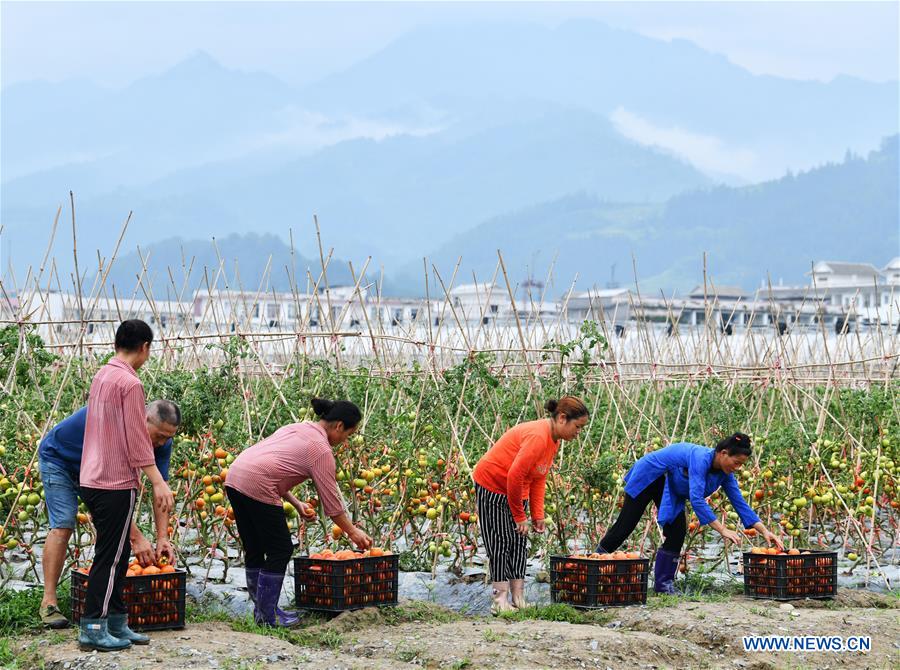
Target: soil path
column 684, row 635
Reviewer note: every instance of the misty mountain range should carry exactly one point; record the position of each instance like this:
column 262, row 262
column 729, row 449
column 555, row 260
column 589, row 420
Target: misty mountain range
column 456, row 142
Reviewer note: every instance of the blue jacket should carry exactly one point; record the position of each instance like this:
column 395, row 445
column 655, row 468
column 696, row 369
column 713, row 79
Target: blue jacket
column 689, row 475
column 63, row 445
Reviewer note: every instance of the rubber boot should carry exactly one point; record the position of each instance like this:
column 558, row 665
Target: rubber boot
column 94, row 634
column 118, row 627
column 252, row 581
column 499, row 599
column 517, row 593
column 664, row 568
column 266, row 612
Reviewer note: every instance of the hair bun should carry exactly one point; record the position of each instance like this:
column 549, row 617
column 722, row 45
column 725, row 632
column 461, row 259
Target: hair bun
column 551, row 406
column 322, row 406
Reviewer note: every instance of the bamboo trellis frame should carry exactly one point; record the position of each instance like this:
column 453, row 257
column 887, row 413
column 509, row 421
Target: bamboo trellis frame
column 522, row 347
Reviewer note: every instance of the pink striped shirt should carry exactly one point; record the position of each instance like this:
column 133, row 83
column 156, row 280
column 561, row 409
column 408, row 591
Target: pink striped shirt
column 292, row 454
column 116, row 442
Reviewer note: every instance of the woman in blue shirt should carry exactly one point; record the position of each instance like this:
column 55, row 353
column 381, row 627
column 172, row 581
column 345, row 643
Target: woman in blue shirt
column 669, row 477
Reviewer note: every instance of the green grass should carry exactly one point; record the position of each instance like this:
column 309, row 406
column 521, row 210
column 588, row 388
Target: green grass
column 17, row 659
column 19, row 610
column 557, row 612
column 408, row 655
column 311, row 633
column 697, row 587
column 417, row 610
column 308, row 634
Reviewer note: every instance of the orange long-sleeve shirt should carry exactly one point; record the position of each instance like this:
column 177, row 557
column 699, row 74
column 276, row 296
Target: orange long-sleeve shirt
column 517, row 466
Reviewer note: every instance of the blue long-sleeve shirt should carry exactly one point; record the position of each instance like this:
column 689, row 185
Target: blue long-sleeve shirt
column 689, row 476
column 63, row 444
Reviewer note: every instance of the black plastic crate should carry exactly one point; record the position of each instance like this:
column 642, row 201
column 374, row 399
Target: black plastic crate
column 791, row 576
column 155, row 602
column 588, row 583
column 330, row 585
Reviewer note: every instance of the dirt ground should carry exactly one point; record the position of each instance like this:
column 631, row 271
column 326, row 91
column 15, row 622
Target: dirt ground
column 683, row 635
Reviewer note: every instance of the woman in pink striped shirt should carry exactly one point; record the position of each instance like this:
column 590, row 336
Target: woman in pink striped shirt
column 116, row 448
column 263, row 475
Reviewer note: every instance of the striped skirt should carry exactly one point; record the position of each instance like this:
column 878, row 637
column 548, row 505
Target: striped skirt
column 507, row 550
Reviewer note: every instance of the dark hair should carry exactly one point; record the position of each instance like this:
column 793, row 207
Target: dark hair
column 737, row 444
column 569, row 405
column 132, row 334
column 337, row 410
column 164, row 411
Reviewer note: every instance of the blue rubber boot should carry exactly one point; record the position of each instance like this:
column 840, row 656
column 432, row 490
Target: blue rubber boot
column 252, row 580
column 267, row 612
column 664, row 569
column 94, row 634
column 252, row 585
column 118, row 627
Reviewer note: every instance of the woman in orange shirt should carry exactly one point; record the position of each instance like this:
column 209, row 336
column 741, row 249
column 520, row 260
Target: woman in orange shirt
column 511, row 475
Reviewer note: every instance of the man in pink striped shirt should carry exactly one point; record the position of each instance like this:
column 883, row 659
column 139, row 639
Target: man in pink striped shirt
column 264, row 474
column 116, row 448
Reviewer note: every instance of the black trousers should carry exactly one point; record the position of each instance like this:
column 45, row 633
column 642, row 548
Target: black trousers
column 111, row 513
column 264, row 532
column 632, row 511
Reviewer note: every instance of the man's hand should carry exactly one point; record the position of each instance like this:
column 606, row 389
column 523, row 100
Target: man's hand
column 539, row 525
column 142, row 550
column 522, row 527
column 163, row 499
column 165, row 549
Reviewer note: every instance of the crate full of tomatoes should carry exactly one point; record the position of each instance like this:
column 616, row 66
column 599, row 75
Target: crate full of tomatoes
column 599, row 580
column 346, row 580
column 791, row 575
column 155, row 596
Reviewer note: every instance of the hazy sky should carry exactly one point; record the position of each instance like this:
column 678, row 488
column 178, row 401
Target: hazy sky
column 115, row 42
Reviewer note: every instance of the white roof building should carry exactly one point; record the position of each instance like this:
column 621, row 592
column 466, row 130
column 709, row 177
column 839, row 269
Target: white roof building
column 861, row 290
